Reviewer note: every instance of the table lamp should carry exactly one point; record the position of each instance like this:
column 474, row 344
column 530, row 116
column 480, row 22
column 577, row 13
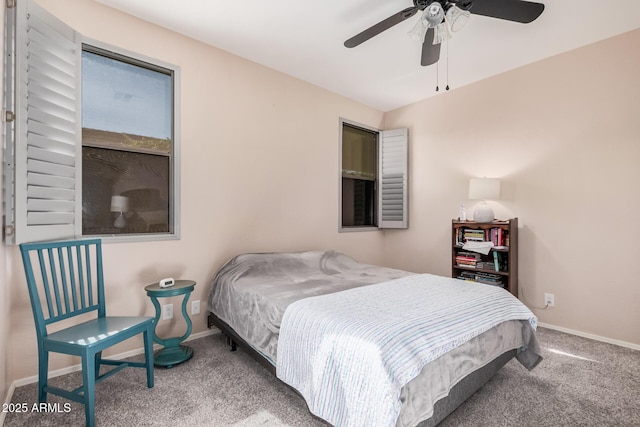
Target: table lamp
column 484, row 189
column 120, row 204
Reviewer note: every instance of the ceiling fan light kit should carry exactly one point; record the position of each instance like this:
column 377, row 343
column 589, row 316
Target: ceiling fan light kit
column 419, row 30
column 457, row 18
column 441, row 33
column 434, row 17
column 434, row 14
column 440, row 18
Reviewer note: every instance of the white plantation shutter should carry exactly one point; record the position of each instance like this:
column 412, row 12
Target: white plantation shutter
column 47, row 143
column 392, row 188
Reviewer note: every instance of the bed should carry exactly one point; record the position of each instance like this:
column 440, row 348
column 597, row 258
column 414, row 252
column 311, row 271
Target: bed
column 365, row 344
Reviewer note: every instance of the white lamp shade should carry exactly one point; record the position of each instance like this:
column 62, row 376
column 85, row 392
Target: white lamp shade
column 484, row 189
column 119, row 204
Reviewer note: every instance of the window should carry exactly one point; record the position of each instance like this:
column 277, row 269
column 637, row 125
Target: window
column 359, row 176
column 127, row 134
column 93, row 149
column 373, row 178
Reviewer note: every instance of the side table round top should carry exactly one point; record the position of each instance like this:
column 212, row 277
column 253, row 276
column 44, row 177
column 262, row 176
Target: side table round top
column 180, row 287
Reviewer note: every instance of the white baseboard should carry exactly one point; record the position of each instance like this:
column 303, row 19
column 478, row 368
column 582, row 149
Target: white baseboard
column 78, row 367
column 7, row 401
column 591, row 336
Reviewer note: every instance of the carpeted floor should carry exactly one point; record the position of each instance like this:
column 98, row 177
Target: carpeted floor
column 580, row 383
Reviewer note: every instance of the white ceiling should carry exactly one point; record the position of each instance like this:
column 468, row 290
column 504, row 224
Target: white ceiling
column 305, row 39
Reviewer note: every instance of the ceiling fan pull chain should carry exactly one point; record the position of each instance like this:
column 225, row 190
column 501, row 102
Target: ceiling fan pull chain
column 447, row 88
column 437, row 77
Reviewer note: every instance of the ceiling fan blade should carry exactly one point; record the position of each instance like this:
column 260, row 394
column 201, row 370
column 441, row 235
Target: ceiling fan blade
column 381, row 26
column 430, row 51
column 511, row 10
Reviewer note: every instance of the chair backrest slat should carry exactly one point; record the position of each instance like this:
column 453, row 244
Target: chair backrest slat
column 54, row 280
column 100, row 276
column 45, row 283
column 83, row 299
column 64, row 282
column 72, row 278
column 87, row 256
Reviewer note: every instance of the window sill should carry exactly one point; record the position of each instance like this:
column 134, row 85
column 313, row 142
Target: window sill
column 357, row 228
column 133, row 238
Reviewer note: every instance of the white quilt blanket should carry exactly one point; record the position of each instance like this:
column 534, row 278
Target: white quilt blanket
column 350, row 353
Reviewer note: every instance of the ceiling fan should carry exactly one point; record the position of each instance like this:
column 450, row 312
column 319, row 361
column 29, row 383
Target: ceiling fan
column 441, row 17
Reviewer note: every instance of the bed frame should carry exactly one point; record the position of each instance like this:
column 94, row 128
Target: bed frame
column 233, row 340
column 462, row 391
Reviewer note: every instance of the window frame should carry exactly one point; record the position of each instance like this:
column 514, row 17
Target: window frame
column 16, row 199
column 356, row 228
column 392, row 176
column 96, row 46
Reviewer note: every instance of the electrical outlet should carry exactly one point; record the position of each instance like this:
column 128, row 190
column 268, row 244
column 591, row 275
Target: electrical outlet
column 195, row 307
column 549, row 300
column 167, row 312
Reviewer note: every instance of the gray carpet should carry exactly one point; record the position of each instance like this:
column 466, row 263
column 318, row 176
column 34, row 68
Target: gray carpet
column 580, row 383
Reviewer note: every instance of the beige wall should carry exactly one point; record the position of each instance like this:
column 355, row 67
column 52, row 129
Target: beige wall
column 259, row 173
column 563, row 134
column 560, row 133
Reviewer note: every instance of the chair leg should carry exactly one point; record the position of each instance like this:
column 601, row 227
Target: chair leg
column 98, row 359
column 89, row 386
column 148, row 354
column 43, row 372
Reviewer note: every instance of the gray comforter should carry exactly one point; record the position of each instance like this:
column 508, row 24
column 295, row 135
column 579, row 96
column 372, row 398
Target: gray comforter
column 251, row 291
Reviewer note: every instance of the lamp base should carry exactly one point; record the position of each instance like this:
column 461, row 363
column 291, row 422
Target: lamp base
column 120, row 221
column 483, row 213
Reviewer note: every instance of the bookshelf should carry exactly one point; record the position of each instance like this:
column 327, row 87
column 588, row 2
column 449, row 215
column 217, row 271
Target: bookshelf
column 500, row 266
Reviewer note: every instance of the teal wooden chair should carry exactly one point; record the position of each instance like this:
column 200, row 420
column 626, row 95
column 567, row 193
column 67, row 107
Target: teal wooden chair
column 65, row 279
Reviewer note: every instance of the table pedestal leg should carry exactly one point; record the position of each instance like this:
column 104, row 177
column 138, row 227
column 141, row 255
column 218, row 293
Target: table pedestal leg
column 173, row 352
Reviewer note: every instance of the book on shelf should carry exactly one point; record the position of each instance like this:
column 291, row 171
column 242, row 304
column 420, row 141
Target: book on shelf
column 489, row 279
column 467, row 259
column 467, row 275
column 472, row 235
column 485, row 265
column 495, row 261
column 484, row 278
column 497, row 235
column 465, row 266
column 471, row 255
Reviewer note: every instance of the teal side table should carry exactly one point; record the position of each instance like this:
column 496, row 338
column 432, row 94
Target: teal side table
column 173, row 352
